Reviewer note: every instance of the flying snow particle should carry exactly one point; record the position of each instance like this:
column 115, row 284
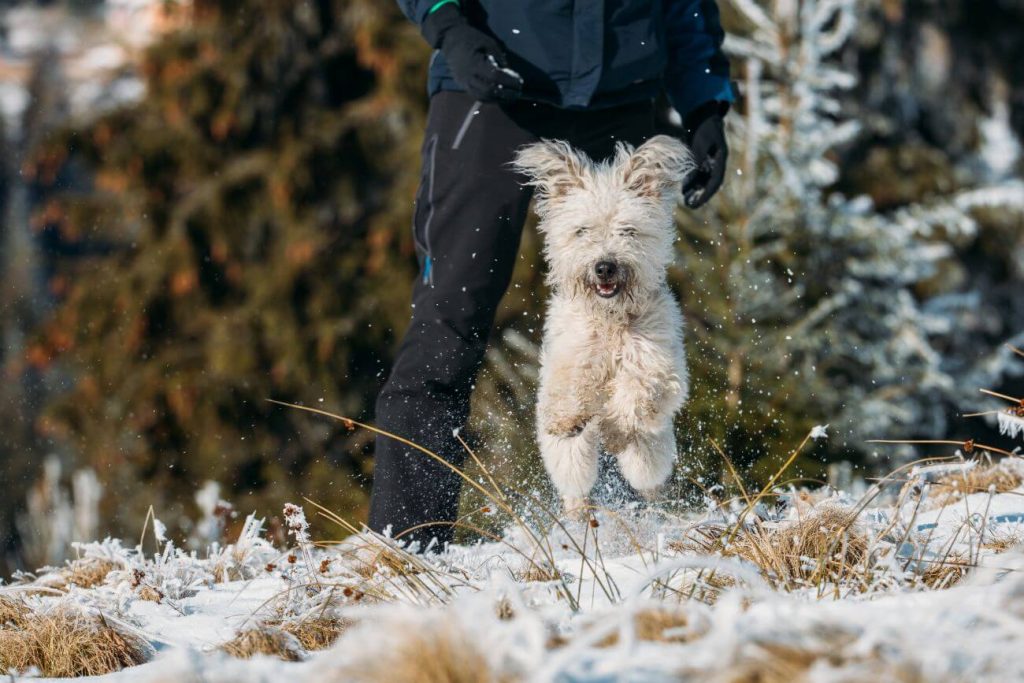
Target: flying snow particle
column 819, row 432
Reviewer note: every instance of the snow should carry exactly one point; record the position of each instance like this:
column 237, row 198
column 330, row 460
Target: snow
column 505, row 70
column 606, row 575
column 1011, row 424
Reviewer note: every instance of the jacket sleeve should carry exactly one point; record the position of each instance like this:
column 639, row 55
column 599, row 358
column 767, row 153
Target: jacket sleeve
column 697, row 69
column 417, row 10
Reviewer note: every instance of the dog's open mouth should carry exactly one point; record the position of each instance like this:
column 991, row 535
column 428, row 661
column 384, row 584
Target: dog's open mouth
column 606, row 290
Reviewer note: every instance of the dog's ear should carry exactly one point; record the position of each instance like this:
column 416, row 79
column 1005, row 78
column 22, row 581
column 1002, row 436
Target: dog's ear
column 553, row 167
column 656, row 167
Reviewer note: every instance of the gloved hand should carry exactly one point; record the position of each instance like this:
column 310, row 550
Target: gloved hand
column 705, row 135
column 476, row 59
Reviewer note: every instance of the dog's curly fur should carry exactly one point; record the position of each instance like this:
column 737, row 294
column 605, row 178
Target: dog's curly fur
column 613, row 371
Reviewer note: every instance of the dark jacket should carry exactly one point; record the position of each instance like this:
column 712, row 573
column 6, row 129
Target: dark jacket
column 598, row 53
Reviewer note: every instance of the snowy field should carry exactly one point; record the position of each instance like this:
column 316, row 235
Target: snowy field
column 921, row 578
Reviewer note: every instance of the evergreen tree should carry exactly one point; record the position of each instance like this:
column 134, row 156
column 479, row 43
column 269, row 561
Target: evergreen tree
column 807, row 306
column 257, row 201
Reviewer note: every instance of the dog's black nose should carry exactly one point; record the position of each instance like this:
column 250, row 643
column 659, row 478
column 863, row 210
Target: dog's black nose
column 605, row 270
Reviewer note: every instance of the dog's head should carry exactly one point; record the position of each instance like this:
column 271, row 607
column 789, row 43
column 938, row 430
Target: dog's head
column 608, row 227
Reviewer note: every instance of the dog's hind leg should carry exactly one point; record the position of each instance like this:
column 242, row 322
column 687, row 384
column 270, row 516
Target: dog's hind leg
column 571, row 462
column 646, row 459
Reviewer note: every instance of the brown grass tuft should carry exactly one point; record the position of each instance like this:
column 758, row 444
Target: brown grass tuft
column 539, row 572
column 64, row 644
column 149, row 593
column 265, row 640
column 946, row 573
column 317, row 633
column 445, row 654
column 663, row 625
column 374, row 559
column 826, row 545
column 13, row 612
column 87, row 572
column 952, row 488
column 659, row 625
column 1000, row 542
column 778, row 663
column 823, row 546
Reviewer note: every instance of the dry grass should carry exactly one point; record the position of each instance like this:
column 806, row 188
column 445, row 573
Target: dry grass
column 65, row 643
column 947, row 572
column 778, row 663
column 317, row 633
column 265, row 640
column 13, row 612
column 539, row 572
column 375, row 559
column 824, row 546
column 87, row 572
column 149, row 593
column 663, row 624
column 289, row 641
column 999, row 478
column 445, row 654
column 1000, row 542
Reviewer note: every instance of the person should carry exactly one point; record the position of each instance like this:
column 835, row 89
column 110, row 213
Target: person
column 506, row 73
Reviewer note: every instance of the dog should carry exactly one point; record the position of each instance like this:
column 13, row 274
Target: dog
column 612, row 363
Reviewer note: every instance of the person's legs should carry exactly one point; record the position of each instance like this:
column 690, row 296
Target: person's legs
column 469, row 215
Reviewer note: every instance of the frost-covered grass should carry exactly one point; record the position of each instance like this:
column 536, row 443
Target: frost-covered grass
column 919, row 579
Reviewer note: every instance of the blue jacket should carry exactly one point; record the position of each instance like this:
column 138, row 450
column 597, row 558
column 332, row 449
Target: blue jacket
column 597, row 53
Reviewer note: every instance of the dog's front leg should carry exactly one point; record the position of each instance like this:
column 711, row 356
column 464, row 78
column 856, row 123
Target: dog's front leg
column 638, row 428
column 647, row 390
column 566, row 430
column 642, row 395
column 571, row 462
column 566, row 401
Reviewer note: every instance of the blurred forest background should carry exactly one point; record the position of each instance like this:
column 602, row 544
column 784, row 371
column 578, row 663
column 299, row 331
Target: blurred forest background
column 205, row 204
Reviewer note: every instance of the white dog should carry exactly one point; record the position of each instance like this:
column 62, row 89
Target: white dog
column 613, row 371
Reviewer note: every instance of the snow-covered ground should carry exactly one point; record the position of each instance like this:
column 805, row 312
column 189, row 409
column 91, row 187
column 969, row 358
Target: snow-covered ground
column 921, row 579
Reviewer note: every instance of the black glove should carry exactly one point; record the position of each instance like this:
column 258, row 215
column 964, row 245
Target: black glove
column 705, row 135
column 475, row 58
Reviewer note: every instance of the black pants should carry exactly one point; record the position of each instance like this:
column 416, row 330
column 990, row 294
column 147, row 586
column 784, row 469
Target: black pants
column 469, row 216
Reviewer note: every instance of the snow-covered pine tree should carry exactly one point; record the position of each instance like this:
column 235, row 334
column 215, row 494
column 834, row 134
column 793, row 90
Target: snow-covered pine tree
column 808, row 300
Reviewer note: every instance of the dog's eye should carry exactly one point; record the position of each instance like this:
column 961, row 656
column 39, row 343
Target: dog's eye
column 628, row 231
column 582, row 230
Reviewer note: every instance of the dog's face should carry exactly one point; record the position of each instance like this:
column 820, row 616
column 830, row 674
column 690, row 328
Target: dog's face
column 608, row 227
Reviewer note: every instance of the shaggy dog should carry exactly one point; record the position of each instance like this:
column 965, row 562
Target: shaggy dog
column 613, row 371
